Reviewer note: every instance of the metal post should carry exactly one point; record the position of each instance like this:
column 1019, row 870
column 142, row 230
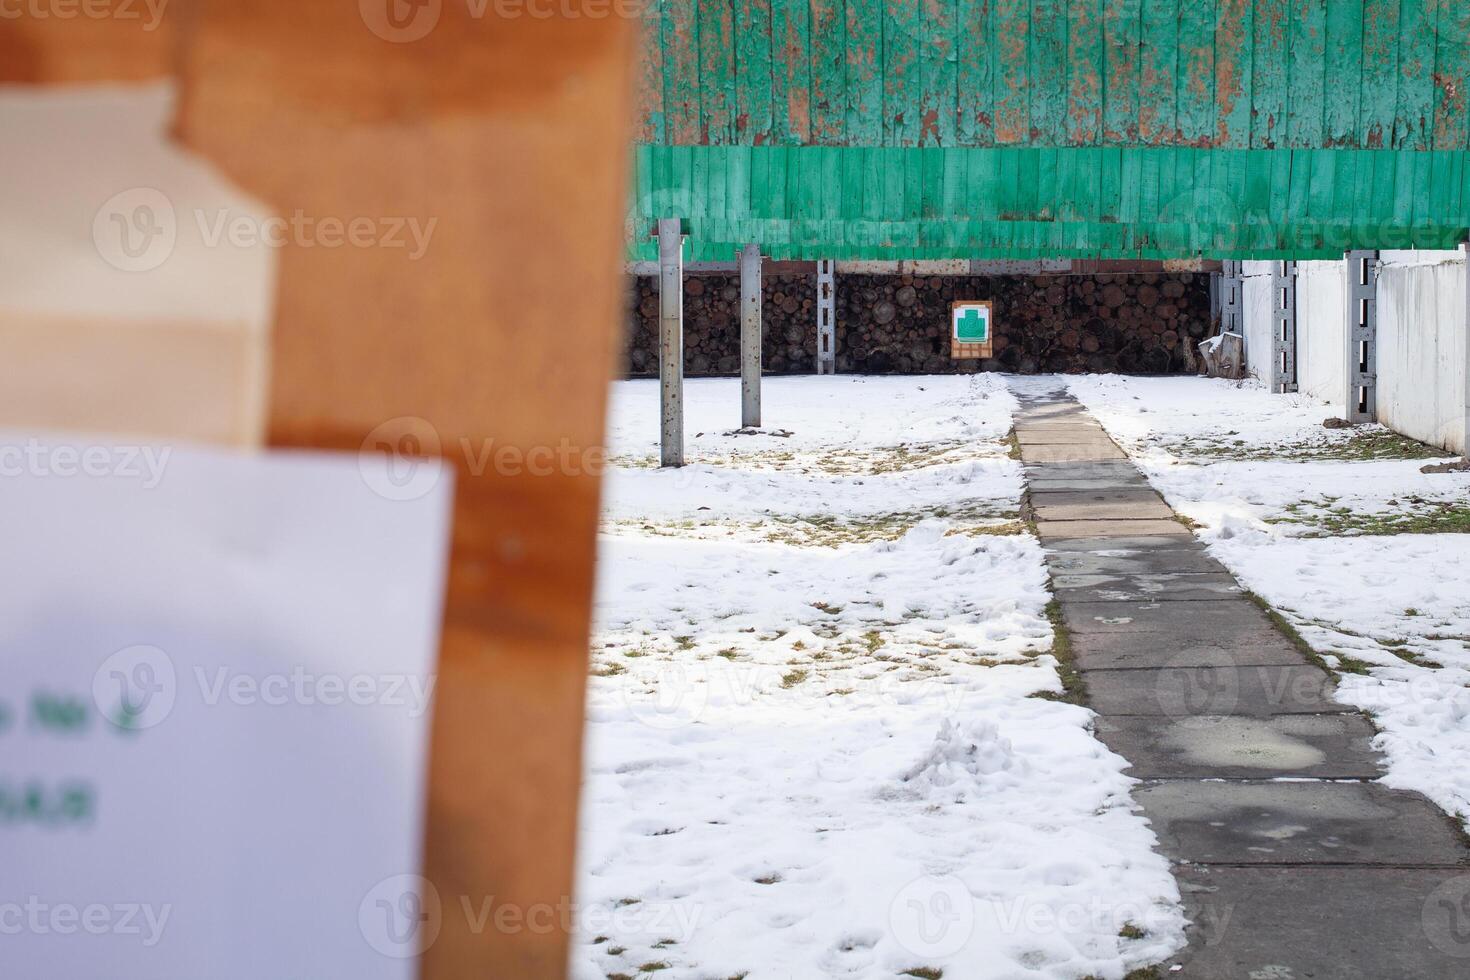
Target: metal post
column 826, row 317
column 1283, row 327
column 1230, row 289
column 671, row 341
column 1362, row 336
column 1217, row 308
column 750, row 337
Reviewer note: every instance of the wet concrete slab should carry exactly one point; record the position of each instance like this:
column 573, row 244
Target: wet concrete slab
column 1072, row 586
column 1115, row 556
column 1227, row 689
column 1137, row 651
column 1335, row 746
column 1198, row 619
column 1302, row 922
column 1308, row 822
column 1052, row 407
column 1101, row 474
column 1107, row 495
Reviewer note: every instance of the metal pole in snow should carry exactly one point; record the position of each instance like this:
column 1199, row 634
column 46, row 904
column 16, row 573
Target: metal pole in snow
column 750, row 337
column 671, row 341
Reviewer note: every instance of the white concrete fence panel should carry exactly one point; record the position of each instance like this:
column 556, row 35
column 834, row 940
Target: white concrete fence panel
column 1423, row 361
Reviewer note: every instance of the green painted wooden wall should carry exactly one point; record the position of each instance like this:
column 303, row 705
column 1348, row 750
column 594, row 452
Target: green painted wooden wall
column 1026, row 128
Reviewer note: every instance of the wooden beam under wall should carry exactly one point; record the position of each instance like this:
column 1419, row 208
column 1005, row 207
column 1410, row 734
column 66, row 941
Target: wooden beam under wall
column 507, row 137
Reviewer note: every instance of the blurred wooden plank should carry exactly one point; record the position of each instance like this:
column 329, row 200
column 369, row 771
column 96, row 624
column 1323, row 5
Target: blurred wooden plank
column 512, row 133
column 133, row 42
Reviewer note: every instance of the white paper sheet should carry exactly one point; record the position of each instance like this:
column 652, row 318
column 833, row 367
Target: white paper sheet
column 215, row 680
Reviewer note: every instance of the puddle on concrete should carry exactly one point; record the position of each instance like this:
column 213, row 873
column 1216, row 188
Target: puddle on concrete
column 1247, row 742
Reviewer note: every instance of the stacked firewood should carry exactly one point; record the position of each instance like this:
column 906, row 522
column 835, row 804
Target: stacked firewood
column 1138, row 323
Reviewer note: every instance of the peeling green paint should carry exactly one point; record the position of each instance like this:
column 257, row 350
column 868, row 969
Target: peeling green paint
column 1023, row 128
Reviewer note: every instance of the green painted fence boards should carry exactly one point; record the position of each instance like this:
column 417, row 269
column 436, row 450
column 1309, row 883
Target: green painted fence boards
column 1107, row 128
column 989, row 202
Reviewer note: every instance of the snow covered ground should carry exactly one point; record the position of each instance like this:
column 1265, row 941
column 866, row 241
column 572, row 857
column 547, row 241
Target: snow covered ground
column 1368, row 557
column 813, row 747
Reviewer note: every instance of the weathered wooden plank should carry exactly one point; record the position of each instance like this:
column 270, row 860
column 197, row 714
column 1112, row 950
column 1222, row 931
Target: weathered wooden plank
column 1086, row 72
column 903, row 76
column 1344, row 73
column 828, row 73
column 753, row 99
column 1158, row 120
column 873, row 198
column 1380, row 74
column 681, row 72
column 864, row 72
column 931, row 195
column 1414, row 113
column 1011, row 77
column 1196, row 81
column 913, row 186
column 1452, row 75
column 1271, row 63
column 791, row 121
column 939, row 100
column 1047, row 76
column 975, row 48
column 1305, row 106
column 648, row 75
column 715, row 34
column 1235, row 41
column 1121, row 57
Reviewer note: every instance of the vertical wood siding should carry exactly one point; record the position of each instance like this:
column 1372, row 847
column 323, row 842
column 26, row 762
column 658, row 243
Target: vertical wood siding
column 1365, row 74
column 1025, row 128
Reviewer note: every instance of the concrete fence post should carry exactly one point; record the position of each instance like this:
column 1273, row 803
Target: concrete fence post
column 1283, row 327
column 671, row 341
column 826, row 317
column 1362, row 337
column 1465, row 369
column 750, row 337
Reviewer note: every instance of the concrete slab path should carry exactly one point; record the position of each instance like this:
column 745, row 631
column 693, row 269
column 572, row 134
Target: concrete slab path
column 1292, row 861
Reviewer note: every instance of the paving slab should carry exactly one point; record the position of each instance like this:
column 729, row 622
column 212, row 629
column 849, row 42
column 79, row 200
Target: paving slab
column 1043, row 407
column 1141, row 506
column 1324, row 923
column 1219, row 617
column 1123, row 555
column 1127, row 494
column 1063, row 423
column 1087, row 483
column 1110, row 528
column 1105, row 473
column 1307, row 822
column 1336, row 746
column 1139, row 651
column 1062, row 435
column 1082, row 467
column 1079, row 452
column 1228, row 689
column 1143, row 587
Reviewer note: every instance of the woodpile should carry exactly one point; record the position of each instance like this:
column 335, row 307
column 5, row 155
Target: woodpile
column 1137, row 324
